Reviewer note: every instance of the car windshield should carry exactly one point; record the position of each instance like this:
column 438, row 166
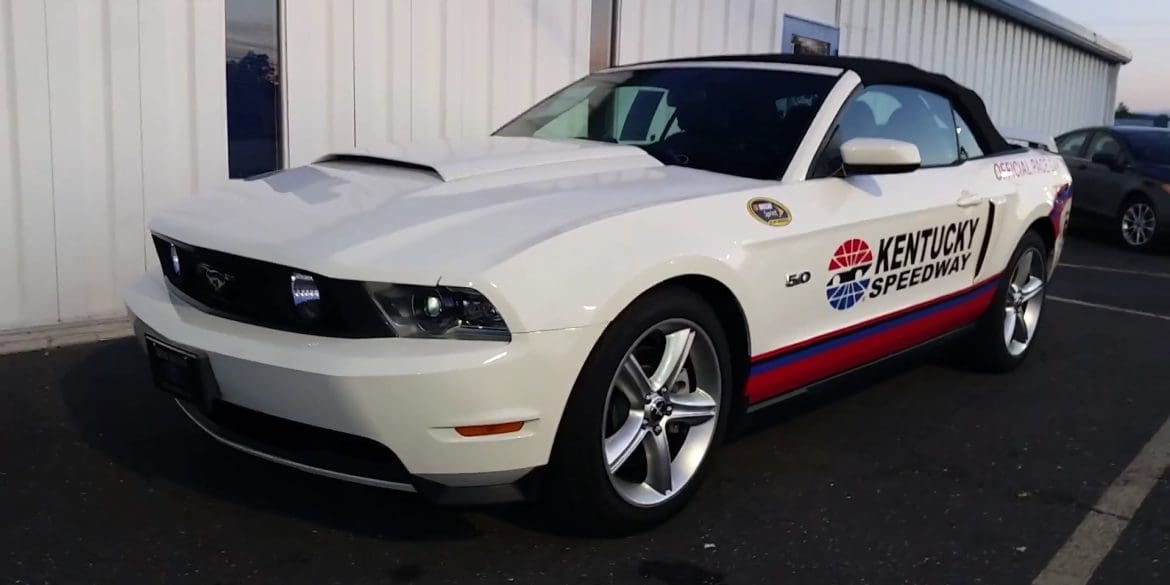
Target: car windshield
column 745, row 122
column 1151, row 147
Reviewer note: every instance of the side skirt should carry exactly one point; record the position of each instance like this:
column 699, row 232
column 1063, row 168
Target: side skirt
column 859, row 373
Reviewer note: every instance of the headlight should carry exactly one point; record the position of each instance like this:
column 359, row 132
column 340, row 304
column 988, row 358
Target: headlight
column 438, row 312
column 176, row 263
column 306, row 297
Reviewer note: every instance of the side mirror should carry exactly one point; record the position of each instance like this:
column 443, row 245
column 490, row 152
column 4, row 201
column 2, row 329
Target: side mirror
column 1109, row 159
column 879, row 156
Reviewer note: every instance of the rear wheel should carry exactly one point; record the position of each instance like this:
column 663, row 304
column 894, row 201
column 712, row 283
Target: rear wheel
column 1005, row 333
column 1138, row 223
column 646, row 412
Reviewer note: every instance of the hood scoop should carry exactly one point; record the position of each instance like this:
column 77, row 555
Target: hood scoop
column 453, row 161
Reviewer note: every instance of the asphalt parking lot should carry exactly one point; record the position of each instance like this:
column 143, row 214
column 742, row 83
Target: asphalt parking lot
column 929, row 475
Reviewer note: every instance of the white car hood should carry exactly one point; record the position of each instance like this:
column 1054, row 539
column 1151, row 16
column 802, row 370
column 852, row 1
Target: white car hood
column 414, row 213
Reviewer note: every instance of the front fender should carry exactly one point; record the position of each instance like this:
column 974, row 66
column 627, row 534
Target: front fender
column 589, row 275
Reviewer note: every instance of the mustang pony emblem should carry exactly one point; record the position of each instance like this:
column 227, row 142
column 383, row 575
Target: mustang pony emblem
column 215, row 278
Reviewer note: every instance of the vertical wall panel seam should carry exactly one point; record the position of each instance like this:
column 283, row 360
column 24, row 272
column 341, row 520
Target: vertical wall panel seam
column 491, row 60
column 574, row 40
column 641, row 33
column 865, row 29
column 777, row 12
column 750, row 28
column 52, row 170
column 534, row 52
column 111, row 187
column 410, row 73
column 146, row 245
column 699, row 29
column 14, row 137
column 388, row 98
column 353, row 67
column 193, row 96
column 444, row 65
column 670, row 32
column 923, row 51
column 330, row 74
column 727, row 26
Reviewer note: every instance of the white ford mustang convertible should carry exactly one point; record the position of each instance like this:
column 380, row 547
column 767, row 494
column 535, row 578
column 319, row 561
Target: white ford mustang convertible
column 581, row 304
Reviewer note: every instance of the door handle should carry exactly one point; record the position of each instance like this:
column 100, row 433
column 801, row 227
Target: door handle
column 968, row 199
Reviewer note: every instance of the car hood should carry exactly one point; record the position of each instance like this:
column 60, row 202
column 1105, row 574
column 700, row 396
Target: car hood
column 417, row 212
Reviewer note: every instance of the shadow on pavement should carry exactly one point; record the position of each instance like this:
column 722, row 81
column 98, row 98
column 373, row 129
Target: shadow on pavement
column 115, row 408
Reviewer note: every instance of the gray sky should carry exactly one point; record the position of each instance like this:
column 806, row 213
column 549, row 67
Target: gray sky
column 1140, row 25
column 251, row 26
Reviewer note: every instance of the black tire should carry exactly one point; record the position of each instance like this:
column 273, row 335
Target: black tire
column 1135, row 202
column 988, row 347
column 578, row 483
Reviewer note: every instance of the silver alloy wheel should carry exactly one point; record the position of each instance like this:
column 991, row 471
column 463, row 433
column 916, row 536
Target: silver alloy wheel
column 661, row 412
column 1138, row 224
column 1024, row 300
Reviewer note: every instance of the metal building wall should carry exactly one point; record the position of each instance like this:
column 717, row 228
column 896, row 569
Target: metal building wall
column 1029, row 80
column 663, row 29
column 371, row 71
column 108, row 110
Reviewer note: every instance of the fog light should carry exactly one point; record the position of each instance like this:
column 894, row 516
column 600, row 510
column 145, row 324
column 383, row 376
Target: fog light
column 176, row 265
column 306, row 297
column 432, row 306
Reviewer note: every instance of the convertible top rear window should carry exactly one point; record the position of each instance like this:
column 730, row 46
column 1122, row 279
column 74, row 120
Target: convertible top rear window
column 746, row 122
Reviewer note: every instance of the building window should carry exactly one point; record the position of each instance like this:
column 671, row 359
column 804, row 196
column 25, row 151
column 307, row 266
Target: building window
column 253, row 87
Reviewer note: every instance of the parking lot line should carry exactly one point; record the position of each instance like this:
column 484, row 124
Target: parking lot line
column 1079, row 557
column 1109, row 308
column 1116, row 270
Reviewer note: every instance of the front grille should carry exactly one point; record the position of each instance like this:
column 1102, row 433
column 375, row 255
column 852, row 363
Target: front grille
column 258, row 292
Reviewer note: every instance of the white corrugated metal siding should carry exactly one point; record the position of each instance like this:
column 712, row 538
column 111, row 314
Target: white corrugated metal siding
column 1029, row 80
column 108, row 109
column 665, row 29
column 428, row 69
column 373, row 71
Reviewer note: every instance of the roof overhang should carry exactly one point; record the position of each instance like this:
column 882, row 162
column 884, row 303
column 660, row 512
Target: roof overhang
column 1054, row 24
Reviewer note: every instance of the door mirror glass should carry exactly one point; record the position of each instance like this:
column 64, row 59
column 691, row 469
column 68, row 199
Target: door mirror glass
column 879, row 156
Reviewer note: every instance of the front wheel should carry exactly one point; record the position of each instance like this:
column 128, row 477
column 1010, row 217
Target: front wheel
column 1138, row 223
column 1004, row 334
column 648, row 408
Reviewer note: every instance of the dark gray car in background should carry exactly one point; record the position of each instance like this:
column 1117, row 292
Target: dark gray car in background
column 1121, row 180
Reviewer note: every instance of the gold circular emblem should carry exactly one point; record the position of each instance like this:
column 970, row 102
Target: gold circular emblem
column 770, row 211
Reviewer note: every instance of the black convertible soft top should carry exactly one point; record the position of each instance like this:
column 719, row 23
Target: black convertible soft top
column 881, row 72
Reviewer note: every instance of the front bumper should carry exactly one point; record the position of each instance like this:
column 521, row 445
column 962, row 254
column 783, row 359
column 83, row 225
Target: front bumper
column 407, row 395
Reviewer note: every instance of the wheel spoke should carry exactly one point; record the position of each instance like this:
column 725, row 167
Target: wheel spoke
column 674, row 357
column 658, row 463
column 1031, row 289
column 638, row 385
column 624, row 442
column 1023, row 269
column 1021, row 332
column 1009, row 324
column 692, row 408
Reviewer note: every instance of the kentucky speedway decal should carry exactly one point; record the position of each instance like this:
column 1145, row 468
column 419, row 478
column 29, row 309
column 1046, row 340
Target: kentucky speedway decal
column 847, row 287
column 902, row 261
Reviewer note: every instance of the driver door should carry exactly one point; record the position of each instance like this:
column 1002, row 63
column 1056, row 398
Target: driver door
column 890, row 256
